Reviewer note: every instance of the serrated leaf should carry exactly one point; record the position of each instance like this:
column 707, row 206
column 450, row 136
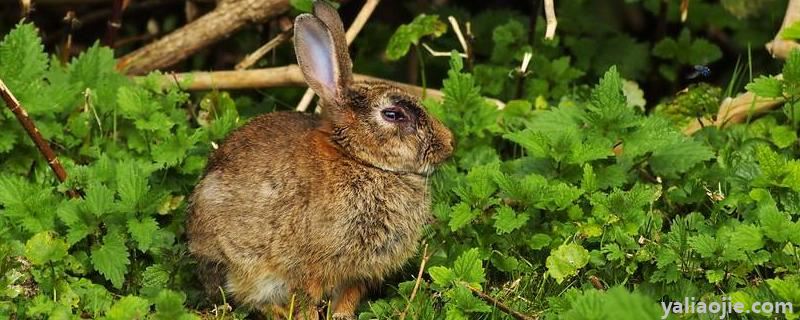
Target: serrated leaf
column 704, row 244
column 565, row 261
column 783, row 136
column 155, row 276
column 23, row 62
column 767, row 87
column 111, row 258
column 679, row 157
column 468, row 267
column 442, row 276
column 791, row 74
column 461, row 215
column 129, row 307
column 99, row 199
column 44, row 247
column 408, row 34
column 132, row 185
column 169, row 305
column 143, row 232
column 747, row 237
column 507, row 220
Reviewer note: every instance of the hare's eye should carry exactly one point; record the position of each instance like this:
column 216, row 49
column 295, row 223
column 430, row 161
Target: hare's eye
column 393, row 115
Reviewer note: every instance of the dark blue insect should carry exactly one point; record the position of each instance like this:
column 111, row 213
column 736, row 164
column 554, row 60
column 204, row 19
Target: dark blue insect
column 700, row 70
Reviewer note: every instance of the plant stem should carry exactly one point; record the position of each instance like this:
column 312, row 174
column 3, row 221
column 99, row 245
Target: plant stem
column 513, row 313
column 36, row 136
column 422, row 71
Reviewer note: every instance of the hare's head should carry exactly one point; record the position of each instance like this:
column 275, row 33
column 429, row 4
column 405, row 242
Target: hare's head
column 374, row 122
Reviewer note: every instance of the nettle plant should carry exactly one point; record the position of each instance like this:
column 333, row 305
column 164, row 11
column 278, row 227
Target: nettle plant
column 590, row 209
column 133, row 151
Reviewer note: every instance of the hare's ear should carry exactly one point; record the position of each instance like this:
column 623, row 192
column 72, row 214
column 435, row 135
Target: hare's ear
column 330, row 17
column 325, row 63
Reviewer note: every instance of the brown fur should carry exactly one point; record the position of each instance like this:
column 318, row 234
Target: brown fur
column 320, row 206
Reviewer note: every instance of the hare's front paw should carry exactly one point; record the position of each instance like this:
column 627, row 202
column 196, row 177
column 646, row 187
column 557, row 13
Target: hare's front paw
column 343, row 316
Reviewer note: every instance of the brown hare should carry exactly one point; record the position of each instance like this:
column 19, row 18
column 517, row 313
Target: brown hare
column 317, row 206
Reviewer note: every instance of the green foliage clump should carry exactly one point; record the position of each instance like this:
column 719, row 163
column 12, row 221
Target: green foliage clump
column 133, row 151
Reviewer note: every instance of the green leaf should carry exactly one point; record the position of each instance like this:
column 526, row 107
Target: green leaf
column 23, row 61
column 747, row 237
column 131, row 178
column 442, row 276
column 792, row 32
column 302, row 5
column 565, row 261
column 129, row 307
column 169, row 305
column 507, row 220
column 45, row 247
column 539, row 241
column 791, row 74
column 766, row 86
column 468, row 267
column 143, row 232
column 783, row 136
column 463, row 299
column 678, row 157
column 704, row 244
column 99, row 199
column 111, row 258
column 407, row 34
column 461, row 215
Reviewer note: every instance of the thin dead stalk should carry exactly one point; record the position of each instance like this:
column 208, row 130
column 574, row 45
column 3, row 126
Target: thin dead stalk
column 252, row 58
column 552, row 22
column 485, row 297
column 422, row 263
column 41, row 144
column 114, row 22
column 350, row 35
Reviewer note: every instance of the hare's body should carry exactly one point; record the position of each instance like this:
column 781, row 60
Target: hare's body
column 317, row 205
column 296, row 236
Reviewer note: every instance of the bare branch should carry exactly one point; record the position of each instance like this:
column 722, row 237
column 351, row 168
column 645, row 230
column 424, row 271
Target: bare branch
column 286, row 76
column 350, row 35
column 226, row 18
column 36, row 136
column 114, row 22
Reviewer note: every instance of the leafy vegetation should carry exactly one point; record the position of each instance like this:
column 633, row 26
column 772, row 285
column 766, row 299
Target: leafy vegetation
column 580, row 199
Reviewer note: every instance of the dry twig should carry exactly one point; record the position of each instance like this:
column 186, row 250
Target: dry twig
column 226, row 18
column 114, row 22
column 286, row 76
column 252, row 58
column 350, row 35
column 552, row 22
column 36, row 136
column 422, row 263
column 485, row 297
